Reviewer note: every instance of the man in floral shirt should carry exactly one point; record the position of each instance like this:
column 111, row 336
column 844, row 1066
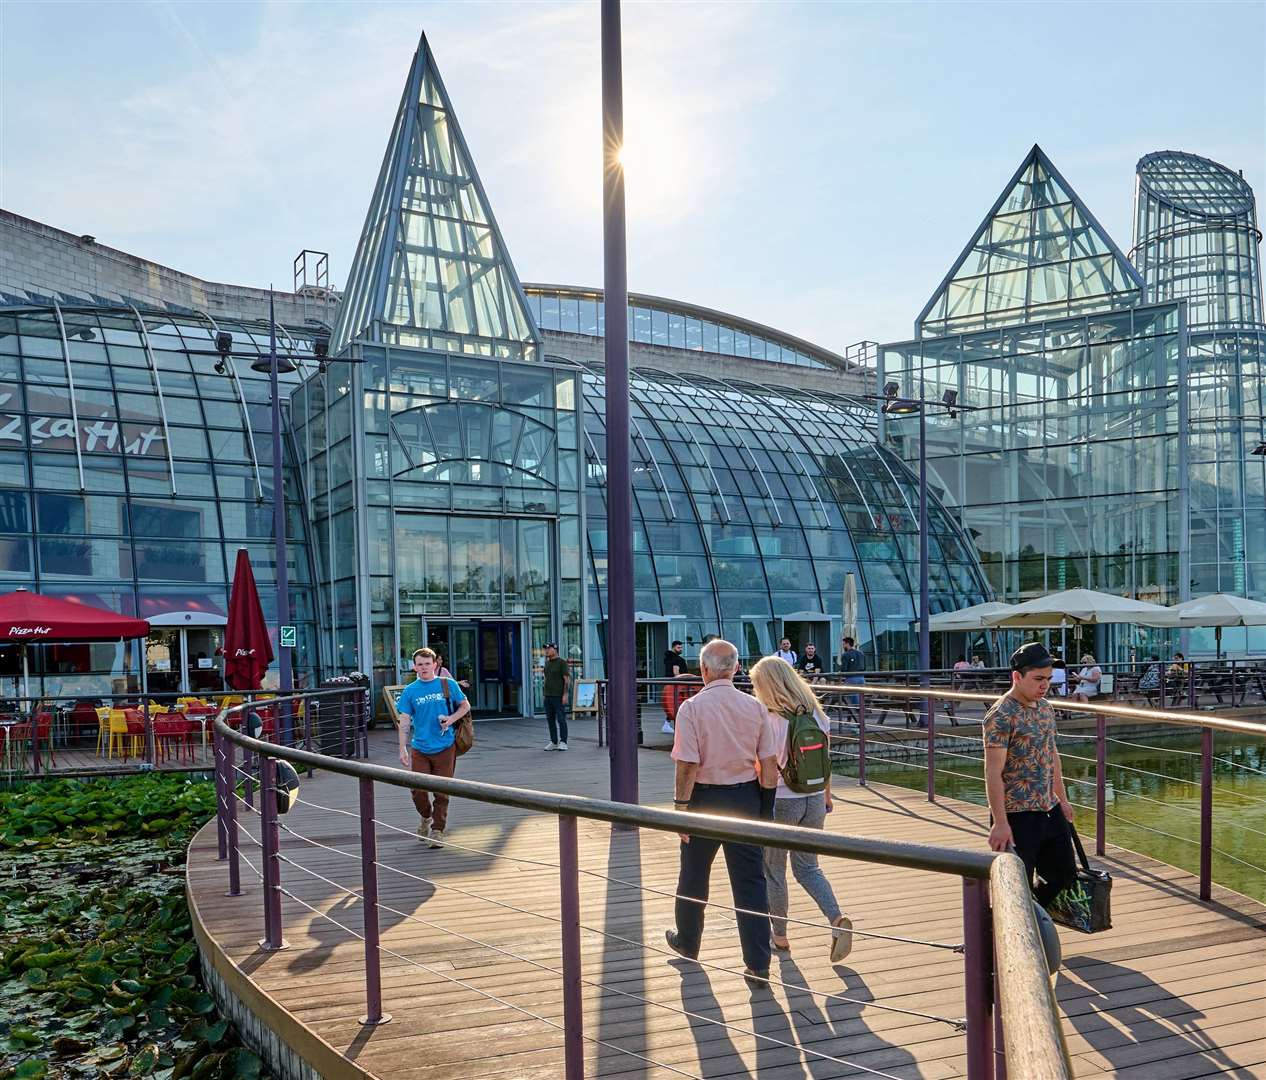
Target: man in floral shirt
column 1027, row 799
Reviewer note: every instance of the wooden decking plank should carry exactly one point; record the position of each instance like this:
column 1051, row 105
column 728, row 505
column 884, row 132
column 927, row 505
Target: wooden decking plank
column 1169, row 963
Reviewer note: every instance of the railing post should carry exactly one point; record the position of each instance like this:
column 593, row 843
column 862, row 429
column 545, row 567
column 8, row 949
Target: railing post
column 978, row 970
column 1101, row 783
column 270, row 840
column 929, row 710
column 861, row 739
column 1164, row 679
column 230, row 804
column 369, row 890
column 1206, row 813
column 569, row 903
column 342, row 725
column 221, row 799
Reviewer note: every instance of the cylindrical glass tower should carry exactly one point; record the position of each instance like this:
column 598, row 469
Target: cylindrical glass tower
column 1196, row 237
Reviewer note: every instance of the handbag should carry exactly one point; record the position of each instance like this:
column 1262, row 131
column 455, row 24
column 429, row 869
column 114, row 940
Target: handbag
column 1086, row 904
column 464, row 729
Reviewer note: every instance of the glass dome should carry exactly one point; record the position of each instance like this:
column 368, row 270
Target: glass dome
column 753, row 504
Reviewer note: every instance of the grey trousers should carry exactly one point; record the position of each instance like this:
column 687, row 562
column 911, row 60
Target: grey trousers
column 809, row 812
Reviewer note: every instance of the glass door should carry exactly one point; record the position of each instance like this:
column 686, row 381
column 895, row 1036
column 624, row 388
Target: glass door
column 164, row 662
column 204, row 659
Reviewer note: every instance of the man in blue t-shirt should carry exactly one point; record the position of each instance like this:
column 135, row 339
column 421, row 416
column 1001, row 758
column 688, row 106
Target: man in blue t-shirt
column 429, row 707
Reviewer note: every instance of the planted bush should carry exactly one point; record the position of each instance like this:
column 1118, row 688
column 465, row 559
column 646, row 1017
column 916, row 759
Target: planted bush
column 98, row 967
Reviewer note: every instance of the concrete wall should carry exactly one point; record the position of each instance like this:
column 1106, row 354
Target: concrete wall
column 37, row 258
column 41, row 259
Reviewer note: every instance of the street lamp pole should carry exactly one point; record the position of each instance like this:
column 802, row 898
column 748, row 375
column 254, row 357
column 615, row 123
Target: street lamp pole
column 621, row 660
column 285, row 678
column 925, row 636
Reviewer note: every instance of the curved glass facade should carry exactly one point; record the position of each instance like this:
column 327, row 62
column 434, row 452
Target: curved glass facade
column 752, row 507
column 655, row 321
column 1196, row 238
column 131, row 471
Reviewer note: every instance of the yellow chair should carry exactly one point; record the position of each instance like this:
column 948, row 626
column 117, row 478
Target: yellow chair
column 118, row 732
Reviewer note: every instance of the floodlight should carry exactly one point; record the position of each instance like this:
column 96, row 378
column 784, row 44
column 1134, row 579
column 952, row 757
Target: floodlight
column 1260, row 449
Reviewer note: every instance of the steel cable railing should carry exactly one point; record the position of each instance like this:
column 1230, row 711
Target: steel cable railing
column 972, row 867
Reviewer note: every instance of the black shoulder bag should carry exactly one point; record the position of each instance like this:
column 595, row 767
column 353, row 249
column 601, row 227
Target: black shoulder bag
column 1086, row 904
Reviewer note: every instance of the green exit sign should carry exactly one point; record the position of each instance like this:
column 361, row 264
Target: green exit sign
column 287, row 637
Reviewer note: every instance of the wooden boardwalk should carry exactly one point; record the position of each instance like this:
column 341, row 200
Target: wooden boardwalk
column 1176, row 990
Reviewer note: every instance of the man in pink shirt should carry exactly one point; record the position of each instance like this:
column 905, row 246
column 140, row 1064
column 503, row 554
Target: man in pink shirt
column 727, row 764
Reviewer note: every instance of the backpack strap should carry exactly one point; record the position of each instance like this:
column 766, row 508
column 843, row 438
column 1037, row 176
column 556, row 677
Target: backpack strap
column 448, row 701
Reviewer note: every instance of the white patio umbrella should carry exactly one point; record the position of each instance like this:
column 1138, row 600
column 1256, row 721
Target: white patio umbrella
column 968, row 618
column 1218, row 610
column 1080, row 607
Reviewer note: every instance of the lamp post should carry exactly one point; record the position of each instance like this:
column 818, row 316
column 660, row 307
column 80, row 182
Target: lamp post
column 896, row 405
column 274, row 365
column 621, row 659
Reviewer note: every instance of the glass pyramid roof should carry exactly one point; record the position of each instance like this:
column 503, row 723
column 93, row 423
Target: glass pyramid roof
column 431, row 269
column 1039, row 254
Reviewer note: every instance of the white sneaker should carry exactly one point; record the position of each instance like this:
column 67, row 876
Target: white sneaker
column 424, row 828
column 551, row 746
column 561, row 746
column 437, row 838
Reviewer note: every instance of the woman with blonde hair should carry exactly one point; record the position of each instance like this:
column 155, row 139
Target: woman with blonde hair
column 779, row 687
column 1089, row 679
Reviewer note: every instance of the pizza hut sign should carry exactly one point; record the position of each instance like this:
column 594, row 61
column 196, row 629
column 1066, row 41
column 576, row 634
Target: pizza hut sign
column 29, row 631
column 99, row 435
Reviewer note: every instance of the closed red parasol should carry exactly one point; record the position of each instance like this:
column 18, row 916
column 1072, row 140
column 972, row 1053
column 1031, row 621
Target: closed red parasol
column 247, row 650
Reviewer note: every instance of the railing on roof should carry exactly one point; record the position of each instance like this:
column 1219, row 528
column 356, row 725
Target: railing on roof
column 1001, row 945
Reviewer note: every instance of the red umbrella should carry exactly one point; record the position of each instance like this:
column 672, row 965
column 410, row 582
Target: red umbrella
column 27, row 616
column 247, row 650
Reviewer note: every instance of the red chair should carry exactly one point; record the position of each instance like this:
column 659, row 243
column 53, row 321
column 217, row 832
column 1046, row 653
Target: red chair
column 43, row 727
column 173, row 728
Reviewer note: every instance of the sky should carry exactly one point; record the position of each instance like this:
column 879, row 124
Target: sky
column 816, row 167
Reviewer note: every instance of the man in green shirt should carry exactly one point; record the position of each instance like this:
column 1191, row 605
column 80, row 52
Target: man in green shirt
column 557, row 680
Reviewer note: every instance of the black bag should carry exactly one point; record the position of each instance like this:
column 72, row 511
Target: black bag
column 1086, row 905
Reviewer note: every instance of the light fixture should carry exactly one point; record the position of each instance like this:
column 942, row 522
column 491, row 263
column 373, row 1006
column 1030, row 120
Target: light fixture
column 224, row 346
column 890, row 389
column 264, row 364
column 321, row 349
column 1260, row 449
column 86, row 334
column 949, row 399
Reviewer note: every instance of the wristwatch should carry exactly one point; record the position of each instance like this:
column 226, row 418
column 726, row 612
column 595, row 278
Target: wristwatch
column 681, row 802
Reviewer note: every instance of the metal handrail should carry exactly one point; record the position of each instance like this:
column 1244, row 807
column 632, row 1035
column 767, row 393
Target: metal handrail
column 1021, row 980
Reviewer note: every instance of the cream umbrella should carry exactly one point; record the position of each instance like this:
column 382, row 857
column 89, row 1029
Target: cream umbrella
column 968, row 618
column 1080, row 607
column 850, row 605
column 1218, row 610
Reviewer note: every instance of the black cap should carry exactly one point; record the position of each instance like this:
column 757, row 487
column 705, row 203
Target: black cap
column 1031, row 655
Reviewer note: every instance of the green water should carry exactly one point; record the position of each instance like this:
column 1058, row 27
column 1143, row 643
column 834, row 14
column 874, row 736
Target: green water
column 1162, row 797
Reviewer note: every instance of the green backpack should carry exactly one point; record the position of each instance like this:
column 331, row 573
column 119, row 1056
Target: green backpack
column 808, row 755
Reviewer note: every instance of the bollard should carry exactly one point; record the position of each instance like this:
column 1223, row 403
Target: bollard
column 270, row 840
column 1101, row 783
column 978, row 971
column 369, row 890
column 230, row 804
column 569, row 903
column 861, row 739
column 1206, row 813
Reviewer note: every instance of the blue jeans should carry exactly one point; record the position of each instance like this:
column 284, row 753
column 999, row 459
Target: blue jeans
column 808, row 812
column 854, row 680
column 556, row 717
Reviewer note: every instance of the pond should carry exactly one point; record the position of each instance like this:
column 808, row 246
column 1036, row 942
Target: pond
column 1152, row 795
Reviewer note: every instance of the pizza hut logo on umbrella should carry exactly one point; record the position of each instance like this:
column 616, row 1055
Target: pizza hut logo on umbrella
column 243, row 652
column 29, row 631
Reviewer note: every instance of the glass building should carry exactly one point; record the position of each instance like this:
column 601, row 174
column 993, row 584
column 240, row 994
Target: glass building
column 1111, row 439
column 134, row 462
column 456, row 464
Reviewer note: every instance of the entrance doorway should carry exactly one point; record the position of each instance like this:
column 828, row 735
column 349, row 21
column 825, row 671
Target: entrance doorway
column 808, row 627
column 485, row 656
column 182, row 658
column 650, row 642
